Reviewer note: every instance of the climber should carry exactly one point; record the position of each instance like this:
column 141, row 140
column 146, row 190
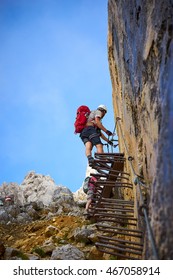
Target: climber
column 91, row 192
column 92, row 132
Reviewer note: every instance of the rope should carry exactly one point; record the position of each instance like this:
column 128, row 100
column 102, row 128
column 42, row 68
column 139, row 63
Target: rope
column 139, row 183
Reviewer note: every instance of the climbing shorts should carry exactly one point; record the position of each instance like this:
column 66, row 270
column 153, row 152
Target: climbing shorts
column 90, row 134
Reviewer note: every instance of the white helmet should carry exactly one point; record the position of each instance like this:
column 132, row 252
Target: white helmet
column 102, row 107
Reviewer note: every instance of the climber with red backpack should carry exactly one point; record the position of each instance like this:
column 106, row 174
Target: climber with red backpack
column 89, row 125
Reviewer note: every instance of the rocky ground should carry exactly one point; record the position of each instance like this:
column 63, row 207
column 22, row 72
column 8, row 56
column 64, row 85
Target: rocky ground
column 41, row 239
column 40, row 220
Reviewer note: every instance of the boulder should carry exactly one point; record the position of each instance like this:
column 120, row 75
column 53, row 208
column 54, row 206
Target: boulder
column 4, row 217
column 14, row 254
column 82, row 235
column 51, row 230
column 14, row 191
column 67, row 252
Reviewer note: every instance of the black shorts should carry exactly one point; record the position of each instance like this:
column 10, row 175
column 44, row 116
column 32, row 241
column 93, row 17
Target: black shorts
column 90, row 134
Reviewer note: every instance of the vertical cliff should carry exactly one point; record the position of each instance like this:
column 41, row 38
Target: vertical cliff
column 140, row 53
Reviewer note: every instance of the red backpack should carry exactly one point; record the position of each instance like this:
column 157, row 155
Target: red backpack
column 82, row 115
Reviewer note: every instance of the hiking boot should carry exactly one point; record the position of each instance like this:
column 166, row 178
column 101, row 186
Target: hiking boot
column 91, row 161
column 85, row 212
column 87, row 215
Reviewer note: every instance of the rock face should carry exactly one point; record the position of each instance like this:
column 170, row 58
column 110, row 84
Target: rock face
column 40, row 220
column 43, row 190
column 59, row 237
column 37, row 192
column 140, row 52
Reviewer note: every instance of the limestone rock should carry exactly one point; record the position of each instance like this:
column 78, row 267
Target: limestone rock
column 83, row 235
column 51, row 230
column 48, row 248
column 4, row 217
column 13, row 254
column 42, row 189
column 140, row 53
column 94, row 254
column 32, row 213
column 37, row 192
column 13, row 190
column 80, row 197
column 32, row 257
column 63, row 194
column 23, row 218
column 67, row 252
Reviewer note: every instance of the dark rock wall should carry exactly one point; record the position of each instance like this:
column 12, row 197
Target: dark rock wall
column 140, row 53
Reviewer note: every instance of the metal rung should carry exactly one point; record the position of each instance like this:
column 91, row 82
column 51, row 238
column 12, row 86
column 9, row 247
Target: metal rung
column 117, row 221
column 110, row 230
column 118, row 203
column 114, row 207
column 118, row 248
column 121, row 240
column 108, row 168
column 111, row 205
column 123, row 246
column 114, row 171
column 123, row 216
column 131, row 230
column 117, row 254
column 101, row 167
column 108, row 163
column 109, row 154
column 117, row 200
column 114, row 210
column 115, row 184
column 106, row 160
column 110, row 182
column 100, row 163
column 114, row 158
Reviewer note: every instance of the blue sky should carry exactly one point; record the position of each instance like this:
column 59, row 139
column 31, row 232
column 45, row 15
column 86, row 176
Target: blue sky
column 53, row 58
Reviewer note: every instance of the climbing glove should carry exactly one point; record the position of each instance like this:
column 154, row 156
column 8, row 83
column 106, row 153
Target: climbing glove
column 110, row 143
column 109, row 133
